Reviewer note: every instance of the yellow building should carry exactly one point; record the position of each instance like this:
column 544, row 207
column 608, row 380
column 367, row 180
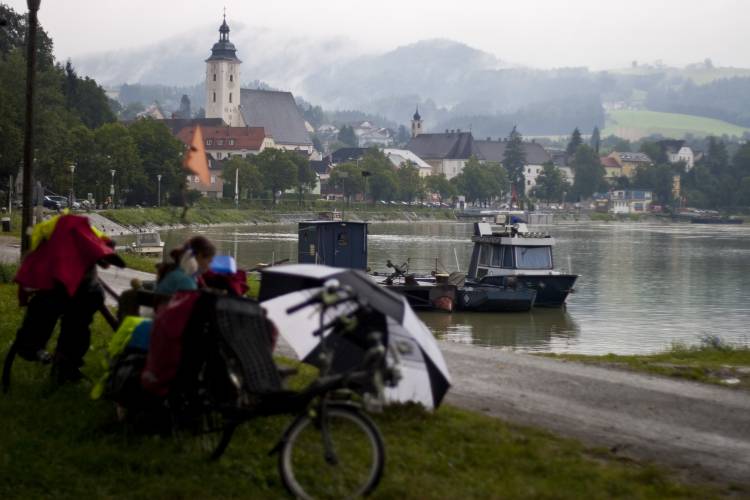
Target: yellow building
column 629, row 162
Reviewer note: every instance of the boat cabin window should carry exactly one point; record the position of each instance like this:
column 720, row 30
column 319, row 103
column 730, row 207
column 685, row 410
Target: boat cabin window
column 508, row 257
column 485, row 254
column 533, row 258
column 497, row 256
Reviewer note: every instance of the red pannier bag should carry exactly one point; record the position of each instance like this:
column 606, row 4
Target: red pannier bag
column 165, row 347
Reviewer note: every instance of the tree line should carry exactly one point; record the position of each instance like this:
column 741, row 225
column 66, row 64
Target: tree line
column 75, row 126
column 267, row 174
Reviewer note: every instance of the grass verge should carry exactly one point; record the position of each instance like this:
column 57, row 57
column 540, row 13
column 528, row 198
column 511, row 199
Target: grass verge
column 712, row 362
column 172, row 216
column 140, row 262
column 59, row 443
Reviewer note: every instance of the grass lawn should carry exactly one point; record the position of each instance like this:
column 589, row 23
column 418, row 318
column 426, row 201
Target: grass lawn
column 636, row 124
column 140, row 262
column 56, row 442
column 712, row 362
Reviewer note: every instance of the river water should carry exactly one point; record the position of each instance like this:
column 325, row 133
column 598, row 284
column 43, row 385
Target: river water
column 642, row 286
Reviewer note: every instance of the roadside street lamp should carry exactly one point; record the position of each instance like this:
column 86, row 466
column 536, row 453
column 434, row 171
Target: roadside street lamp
column 72, row 169
column 158, row 190
column 365, row 175
column 344, row 176
column 237, row 188
column 112, row 187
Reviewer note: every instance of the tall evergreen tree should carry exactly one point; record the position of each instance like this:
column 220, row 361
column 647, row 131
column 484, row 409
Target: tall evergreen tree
column 589, row 172
column 550, row 185
column 347, row 136
column 717, row 158
column 596, row 139
column 514, row 160
column 575, row 141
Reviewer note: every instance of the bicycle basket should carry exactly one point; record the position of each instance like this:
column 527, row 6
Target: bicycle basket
column 242, row 326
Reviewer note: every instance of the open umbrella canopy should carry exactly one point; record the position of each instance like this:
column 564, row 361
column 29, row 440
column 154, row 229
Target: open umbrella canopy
column 425, row 377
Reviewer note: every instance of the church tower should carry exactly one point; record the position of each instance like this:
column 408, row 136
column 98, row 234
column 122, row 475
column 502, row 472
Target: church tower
column 416, row 124
column 223, row 80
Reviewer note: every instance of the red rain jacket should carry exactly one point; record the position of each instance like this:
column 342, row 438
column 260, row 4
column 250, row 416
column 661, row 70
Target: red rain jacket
column 66, row 257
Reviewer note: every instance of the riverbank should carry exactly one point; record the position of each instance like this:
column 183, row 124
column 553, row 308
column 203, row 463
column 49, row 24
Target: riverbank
column 713, row 362
column 171, row 217
column 59, row 442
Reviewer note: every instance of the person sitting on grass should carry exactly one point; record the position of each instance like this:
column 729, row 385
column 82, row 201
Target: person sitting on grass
column 188, row 263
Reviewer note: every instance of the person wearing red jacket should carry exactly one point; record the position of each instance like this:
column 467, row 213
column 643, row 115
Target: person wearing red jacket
column 59, row 276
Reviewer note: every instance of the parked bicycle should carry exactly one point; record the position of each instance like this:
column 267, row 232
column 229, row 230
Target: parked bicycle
column 332, row 448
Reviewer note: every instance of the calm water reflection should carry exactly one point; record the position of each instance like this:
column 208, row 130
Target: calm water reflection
column 642, row 286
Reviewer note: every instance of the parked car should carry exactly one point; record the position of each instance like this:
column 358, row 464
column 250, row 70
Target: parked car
column 52, row 204
column 63, row 201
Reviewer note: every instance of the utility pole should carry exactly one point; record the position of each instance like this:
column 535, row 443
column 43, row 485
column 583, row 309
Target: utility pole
column 28, row 140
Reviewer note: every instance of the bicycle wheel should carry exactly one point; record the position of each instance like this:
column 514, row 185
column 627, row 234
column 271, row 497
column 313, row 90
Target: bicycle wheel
column 203, row 433
column 351, row 466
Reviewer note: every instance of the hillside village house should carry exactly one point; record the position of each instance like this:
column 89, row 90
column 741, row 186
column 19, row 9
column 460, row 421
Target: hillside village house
column 629, row 162
column 369, row 135
column 676, row 152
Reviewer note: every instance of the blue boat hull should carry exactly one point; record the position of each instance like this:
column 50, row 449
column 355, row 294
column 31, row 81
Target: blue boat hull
column 487, row 298
column 551, row 290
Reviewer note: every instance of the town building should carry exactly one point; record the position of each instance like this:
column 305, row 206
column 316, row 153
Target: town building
column 238, row 122
column 630, row 201
column 416, row 124
column 398, row 157
column 446, row 153
column 215, row 186
column 222, row 143
column 677, row 152
column 369, row 135
column 223, row 80
column 612, row 169
column 152, row 111
column 629, row 162
column 274, row 111
column 536, row 157
column 345, row 155
column 278, row 114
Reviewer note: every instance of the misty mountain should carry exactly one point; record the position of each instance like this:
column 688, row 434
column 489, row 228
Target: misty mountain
column 455, row 85
column 281, row 60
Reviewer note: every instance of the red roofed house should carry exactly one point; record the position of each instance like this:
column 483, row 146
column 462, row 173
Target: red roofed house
column 612, row 169
column 222, row 143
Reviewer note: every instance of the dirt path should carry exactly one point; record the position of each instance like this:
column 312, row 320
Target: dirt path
column 698, row 429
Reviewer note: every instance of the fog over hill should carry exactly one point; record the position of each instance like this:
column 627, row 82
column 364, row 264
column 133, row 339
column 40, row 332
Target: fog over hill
column 282, row 61
column 455, row 85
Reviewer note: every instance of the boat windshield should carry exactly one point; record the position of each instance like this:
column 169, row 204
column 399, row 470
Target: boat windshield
column 533, row 258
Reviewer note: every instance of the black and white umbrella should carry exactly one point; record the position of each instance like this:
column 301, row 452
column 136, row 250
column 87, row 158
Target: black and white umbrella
column 425, row 377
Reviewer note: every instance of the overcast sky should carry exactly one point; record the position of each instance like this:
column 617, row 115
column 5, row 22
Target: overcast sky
column 542, row 33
